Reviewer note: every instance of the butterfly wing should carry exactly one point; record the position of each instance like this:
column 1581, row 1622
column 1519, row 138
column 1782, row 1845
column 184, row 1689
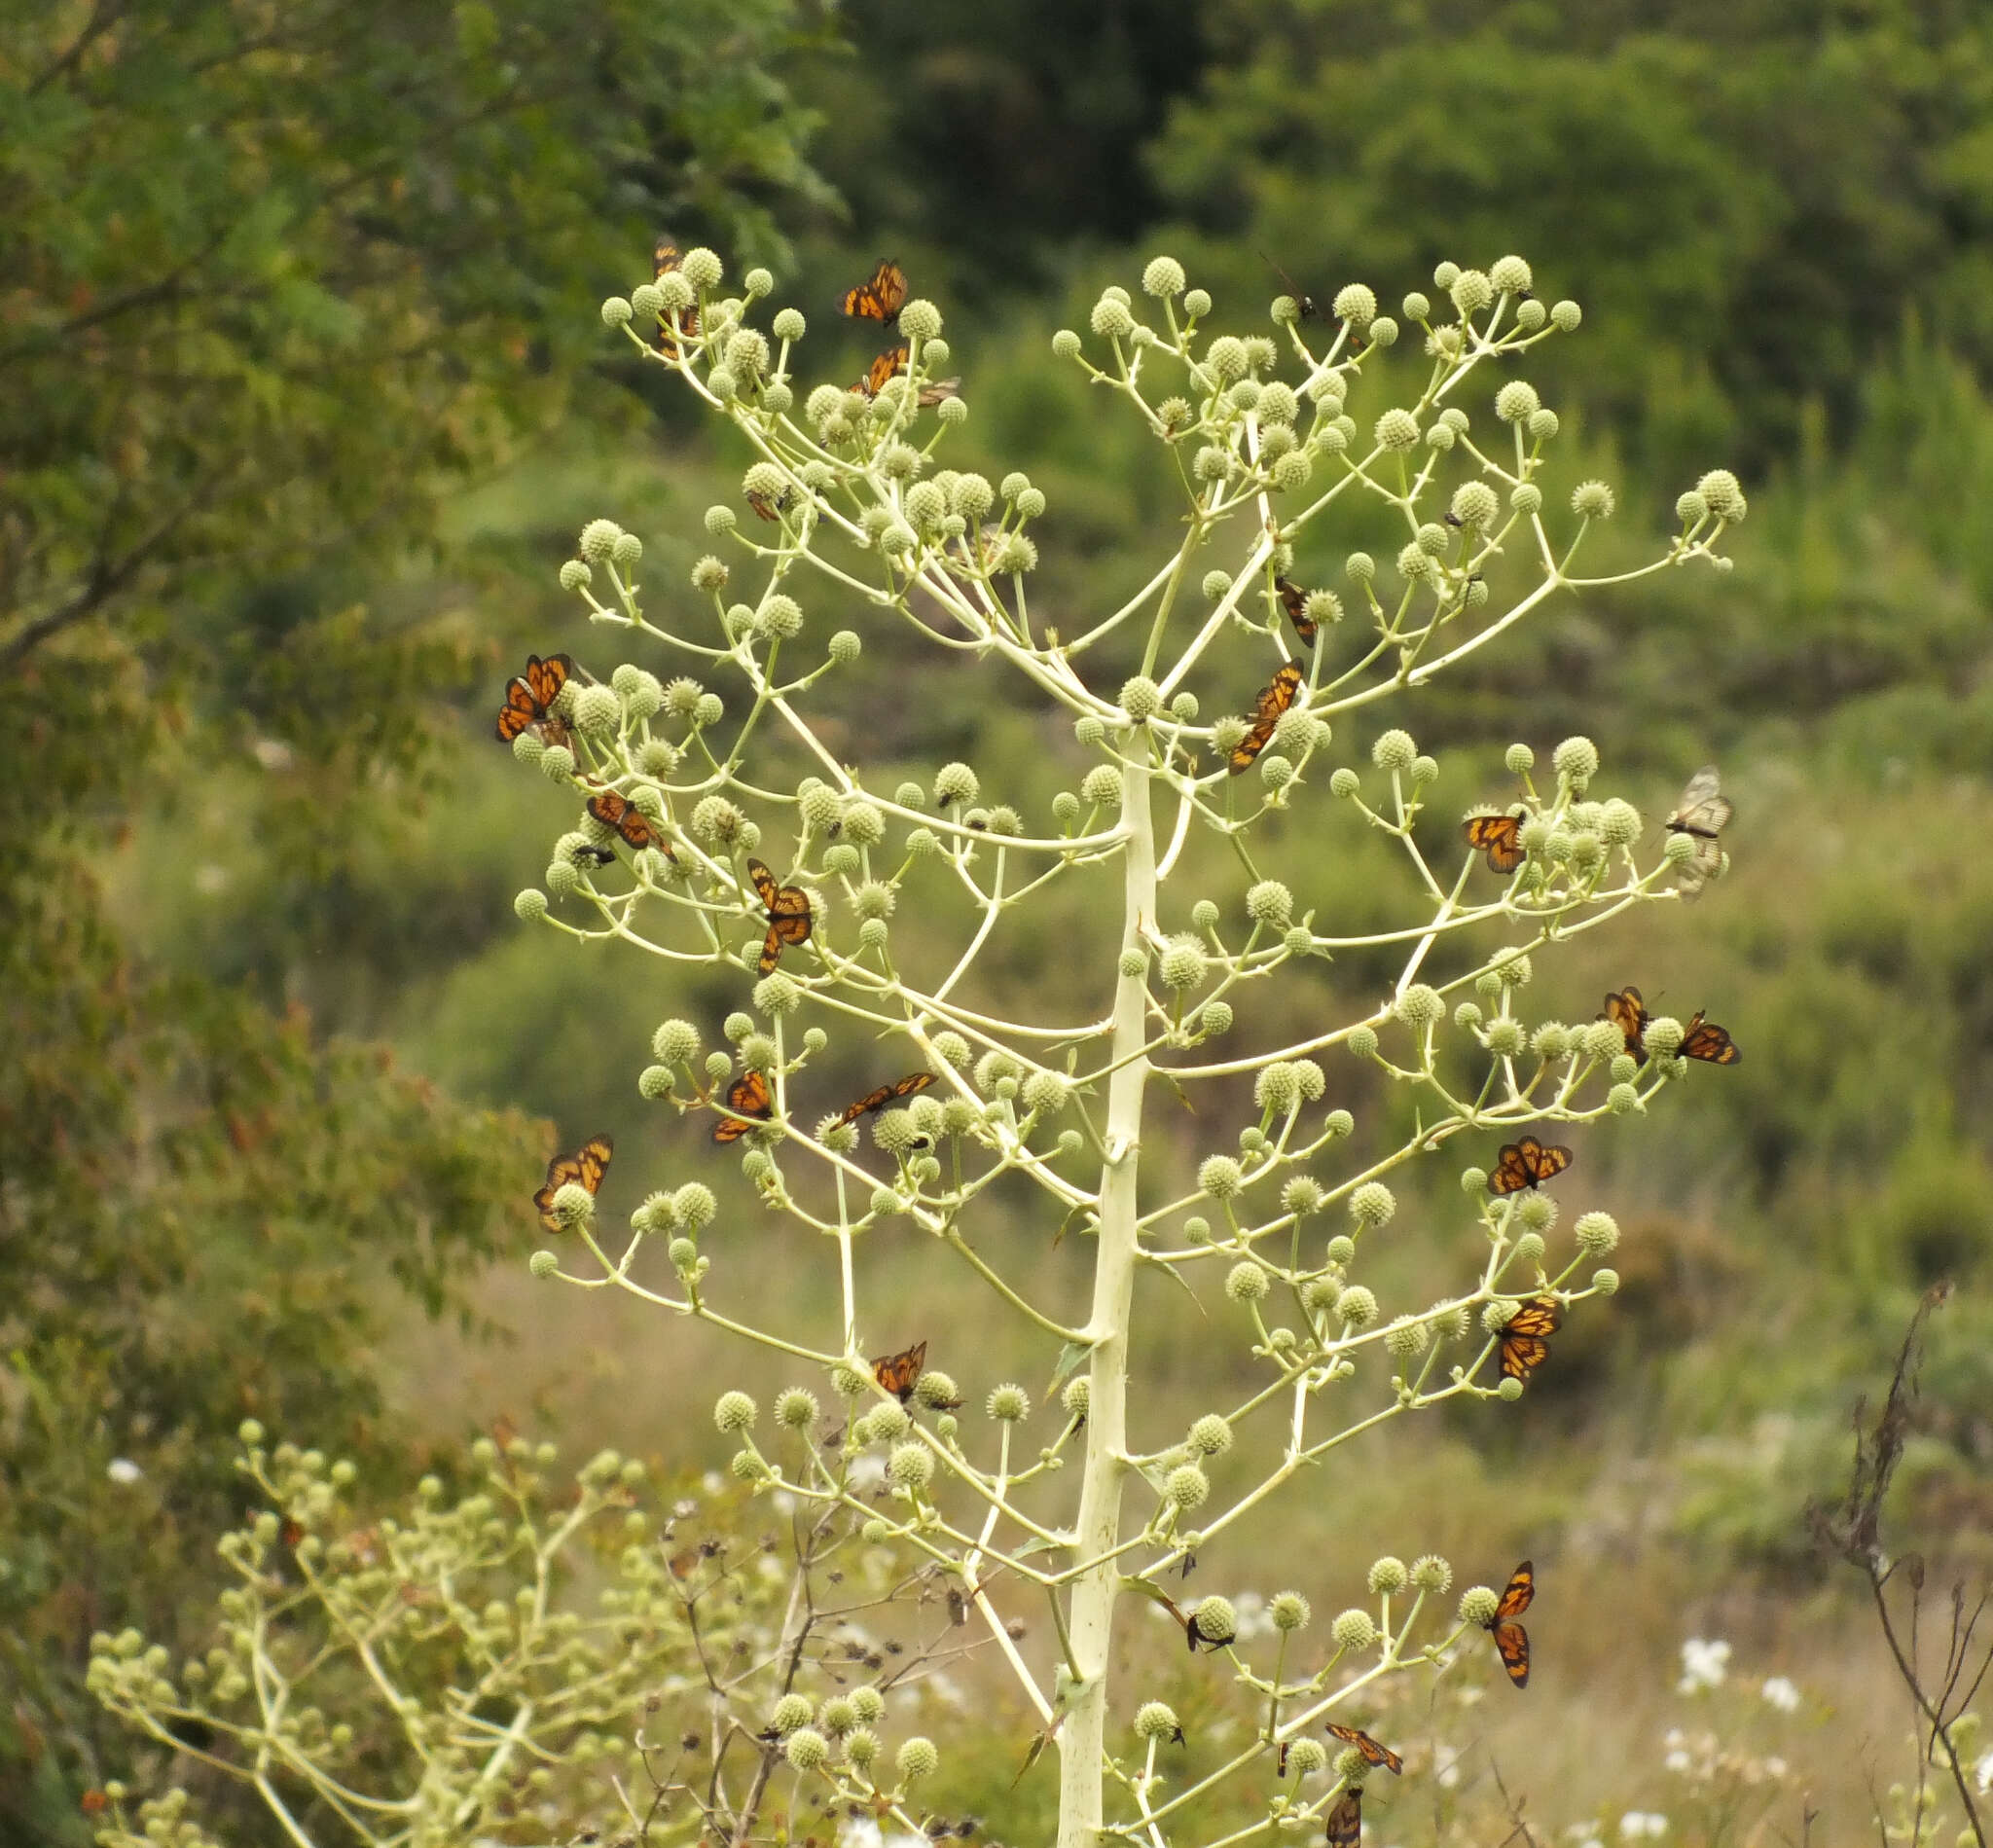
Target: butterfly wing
column 765, row 887
column 519, row 711
column 889, row 365
column 1512, row 1645
column 1524, row 1342
column 1519, row 1593
column 914, row 1081
column 1345, row 1827
column 1499, row 836
column 880, row 296
column 1627, row 1011
column 870, row 1102
column 1511, row 1173
column 1703, row 809
column 1373, row 1753
column 1542, row 1161
column 593, row 1160
column 664, row 256
column 547, row 678
column 899, row 1373
column 1709, row 1043
column 1273, row 700
column 937, row 390
column 587, row 1166
column 1294, row 601
column 749, row 1099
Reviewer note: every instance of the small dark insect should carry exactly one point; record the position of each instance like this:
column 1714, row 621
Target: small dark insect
column 769, row 507
column 1511, row 1640
column 1526, row 1163
column 1304, row 302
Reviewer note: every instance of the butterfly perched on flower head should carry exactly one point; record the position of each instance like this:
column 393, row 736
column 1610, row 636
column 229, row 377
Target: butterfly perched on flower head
column 1373, row 1753
column 787, row 909
column 1526, row 1163
column 529, row 697
column 885, row 1094
column 1345, row 1827
column 1704, row 1039
column 1294, row 601
column 749, row 1099
column 1702, row 814
column 879, row 297
column 1499, row 836
column 1511, row 1640
column 586, row 1165
column 899, row 1373
column 1628, row 1012
column 1524, row 1344
column 664, row 259
column 887, row 366
column 1273, row 702
column 637, row 829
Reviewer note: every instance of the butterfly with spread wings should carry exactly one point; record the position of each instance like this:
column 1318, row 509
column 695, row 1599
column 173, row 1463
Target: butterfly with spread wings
column 886, row 367
column 885, row 1094
column 664, row 259
column 1294, row 601
column 879, row 297
column 1345, row 1827
column 751, row 1101
column 586, row 1165
column 1704, row 1039
column 529, row 697
column 1499, row 836
column 1702, row 814
column 1511, row 1640
column 787, row 910
column 635, row 828
column 1373, row 1753
column 1625, row 1010
column 1273, row 703
column 1524, row 1343
column 899, row 1373
column 1526, row 1163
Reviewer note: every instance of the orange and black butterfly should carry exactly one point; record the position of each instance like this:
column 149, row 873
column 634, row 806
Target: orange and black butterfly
column 1704, row 1039
column 587, row 1165
column 1500, row 837
column 664, row 259
column 879, row 297
column 1511, row 1640
column 529, row 697
column 1345, row 1827
column 1526, row 1163
column 1373, row 1753
column 769, row 507
column 1274, row 701
column 1294, row 601
column 788, row 914
column 889, row 365
column 751, row 1101
column 885, row 1094
column 899, row 1373
column 1524, row 1344
column 1628, row 1012
column 637, row 830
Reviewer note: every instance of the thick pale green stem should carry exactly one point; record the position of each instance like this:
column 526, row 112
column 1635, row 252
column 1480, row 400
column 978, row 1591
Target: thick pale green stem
column 1084, row 1736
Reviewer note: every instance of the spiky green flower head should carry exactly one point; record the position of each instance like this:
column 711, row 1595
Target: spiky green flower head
column 805, row 1749
column 1405, row 1338
column 1592, row 500
column 1219, row 1176
column 1420, row 1006
column 1110, row 319
column 1542, row 426
column 1397, row 431
column 1531, row 315
column 1355, row 1307
column 1183, row 963
column 1388, row 1576
column 1210, row 1437
column 1247, row 1281
column 1186, row 1487
column 1155, row 1719
column 1478, row 1605
column 1723, row 496
column 795, row 1408
column 734, row 1411
column 910, row 1469
column 790, row 1712
column 918, row 1758
column 543, row 1263
column 1372, row 1204
column 861, row 1745
column 1353, row 1629
column 1517, row 402
column 1357, row 304
column 1510, row 276
column 1217, row 1621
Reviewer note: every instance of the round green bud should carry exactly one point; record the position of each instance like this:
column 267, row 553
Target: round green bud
column 1355, row 303
column 1388, row 1576
column 1183, row 963
column 1420, row 1006
column 1210, row 1437
column 1009, row 1404
column 1154, row 1719
column 1415, row 563
column 1278, row 1088
column 788, row 324
column 1405, row 1338
column 543, row 1265
column 1247, row 1281
column 616, row 311
column 531, row 905
column 954, row 782
column 1276, row 771
column 776, row 994
column 1526, row 498
column 700, row 268
column 1186, row 1486
column 1565, row 316
column 1216, row 1620
column 1551, row 1040
column 723, row 384
column 1245, row 395
column 1112, row 320
column 790, row 1712
column 1372, row 1204
column 1592, row 500
column 1623, row 1100
column 1196, row 303
column 1357, row 1306
column 1397, row 431
column 654, row 1083
column 861, row 1746
column 1353, row 1629
column 916, row 1759
column 597, row 710
column 1218, row 1177
column 1510, row 276
column 1302, row 1196
column 1471, row 292
column 910, row 1469
column 795, row 1408
column 1394, row 749
column 1141, row 698
column 1543, row 427
column 1528, row 1246
column 1475, row 504
column 1606, row 1281
column 1344, row 783
column 693, row 1205
column 1215, row 1017
column 1430, row 1573
column 1722, row 494
column 840, row 1716
column 1133, row 963
column 1227, row 359
column 735, row 1411
column 1577, row 761
column 1065, row 343
column 805, row 1749
column 1362, row 1043
column 1434, row 539
column 709, row 575
column 598, row 540
column 757, row 1052
column 1688, row 509
column 1505, row 1037
column 1517, row 401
